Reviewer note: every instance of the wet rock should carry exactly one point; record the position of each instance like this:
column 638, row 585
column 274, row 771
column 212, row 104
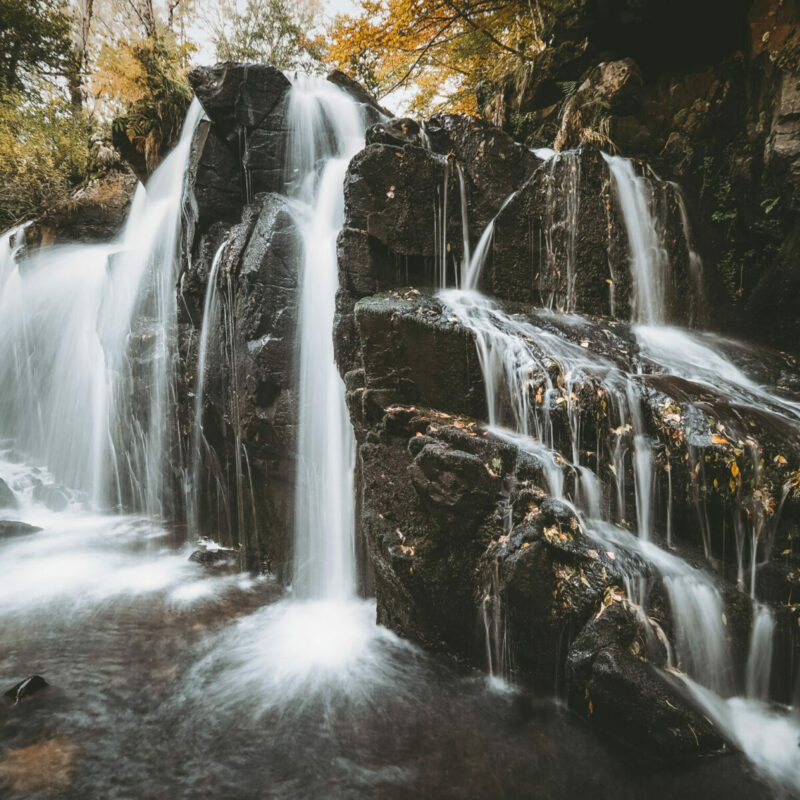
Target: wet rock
column 214, row 557
column 375, row 111
column 494, row 163
column 93, row 213
column 390, row 193
column 10, row 528
column 241, row 152
column 412, row 354
column 219, row 186
column 24, row 689
column 453, row 479
column 397, row 132
column 613, row 684
column 610, row 87
column 53, row 497
column 249, row 389
column 238, row 94
column 7, row 497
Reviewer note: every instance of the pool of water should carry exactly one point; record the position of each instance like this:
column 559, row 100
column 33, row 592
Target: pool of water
column 168, row 681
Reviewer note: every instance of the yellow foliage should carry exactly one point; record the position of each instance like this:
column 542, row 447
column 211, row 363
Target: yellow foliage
column 444, row 48
column 44, row 152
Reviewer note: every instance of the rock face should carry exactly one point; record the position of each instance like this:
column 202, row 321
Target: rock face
column 558, row 235
column 11, row 527
column 246, row 452
column 7, row 497
column 94, row 213
column 471, row 553
column 472, row 537
column 718, row 115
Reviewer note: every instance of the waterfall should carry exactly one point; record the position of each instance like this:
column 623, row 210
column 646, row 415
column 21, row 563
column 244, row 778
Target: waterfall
column 534, row 367
column 325, row 131
column 648, row 258
column 88, row 347
column 561, row 230
column 759, row 658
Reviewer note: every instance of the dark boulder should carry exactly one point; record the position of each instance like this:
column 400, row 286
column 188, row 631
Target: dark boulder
column 249, row 401
column 94, row 212
column 413, row 354
column 7, row 497
column 612, row 683
column 494, row 163
column 238, row 94
column 10, row 528
column 214, row 557
column 24, row 689
column 375, row 111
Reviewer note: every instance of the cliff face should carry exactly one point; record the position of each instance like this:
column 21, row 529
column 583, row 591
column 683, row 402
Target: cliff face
column 469, row 537
column 707, row 94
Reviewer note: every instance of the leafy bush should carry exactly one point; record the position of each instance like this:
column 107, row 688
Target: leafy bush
column 147, row 78
column 44, row 153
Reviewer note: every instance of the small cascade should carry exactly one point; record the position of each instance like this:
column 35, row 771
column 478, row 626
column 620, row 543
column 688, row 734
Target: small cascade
column 325, row 130
column 88, row 357
column 758, row 670
column 498, row 656
column 464, row 203
column 648, row 258
column 198, row 442
column 441, row 224
column 695, row 262
column 472, row 268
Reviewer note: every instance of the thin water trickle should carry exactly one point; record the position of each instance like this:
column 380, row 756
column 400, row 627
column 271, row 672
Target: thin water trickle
column 208, row 326
column 648, row 258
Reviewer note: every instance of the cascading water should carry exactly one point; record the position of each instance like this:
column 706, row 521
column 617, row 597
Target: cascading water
column 648, row 256
column 88, row 334
column 326, row 129
column 518, row 353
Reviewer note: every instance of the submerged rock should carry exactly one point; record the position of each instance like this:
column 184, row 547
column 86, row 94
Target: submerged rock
column 7, row 497
column 26, row 688
column 54, row 497
column 11, row 527
column 215, row 557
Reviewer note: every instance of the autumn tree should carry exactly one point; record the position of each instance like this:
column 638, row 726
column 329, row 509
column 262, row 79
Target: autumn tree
column 277, row 32
column 44, row 145
column 439, row 49
column 34, row 42
column 140, row 72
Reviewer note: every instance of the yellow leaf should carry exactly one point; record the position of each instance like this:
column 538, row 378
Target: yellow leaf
column 734, row 469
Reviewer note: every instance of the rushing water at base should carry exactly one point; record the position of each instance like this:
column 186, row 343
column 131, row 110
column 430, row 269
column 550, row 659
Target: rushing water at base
column 168, row 682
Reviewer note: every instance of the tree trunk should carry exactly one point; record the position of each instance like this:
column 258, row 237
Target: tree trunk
column 82, row 22
column 148, row 17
